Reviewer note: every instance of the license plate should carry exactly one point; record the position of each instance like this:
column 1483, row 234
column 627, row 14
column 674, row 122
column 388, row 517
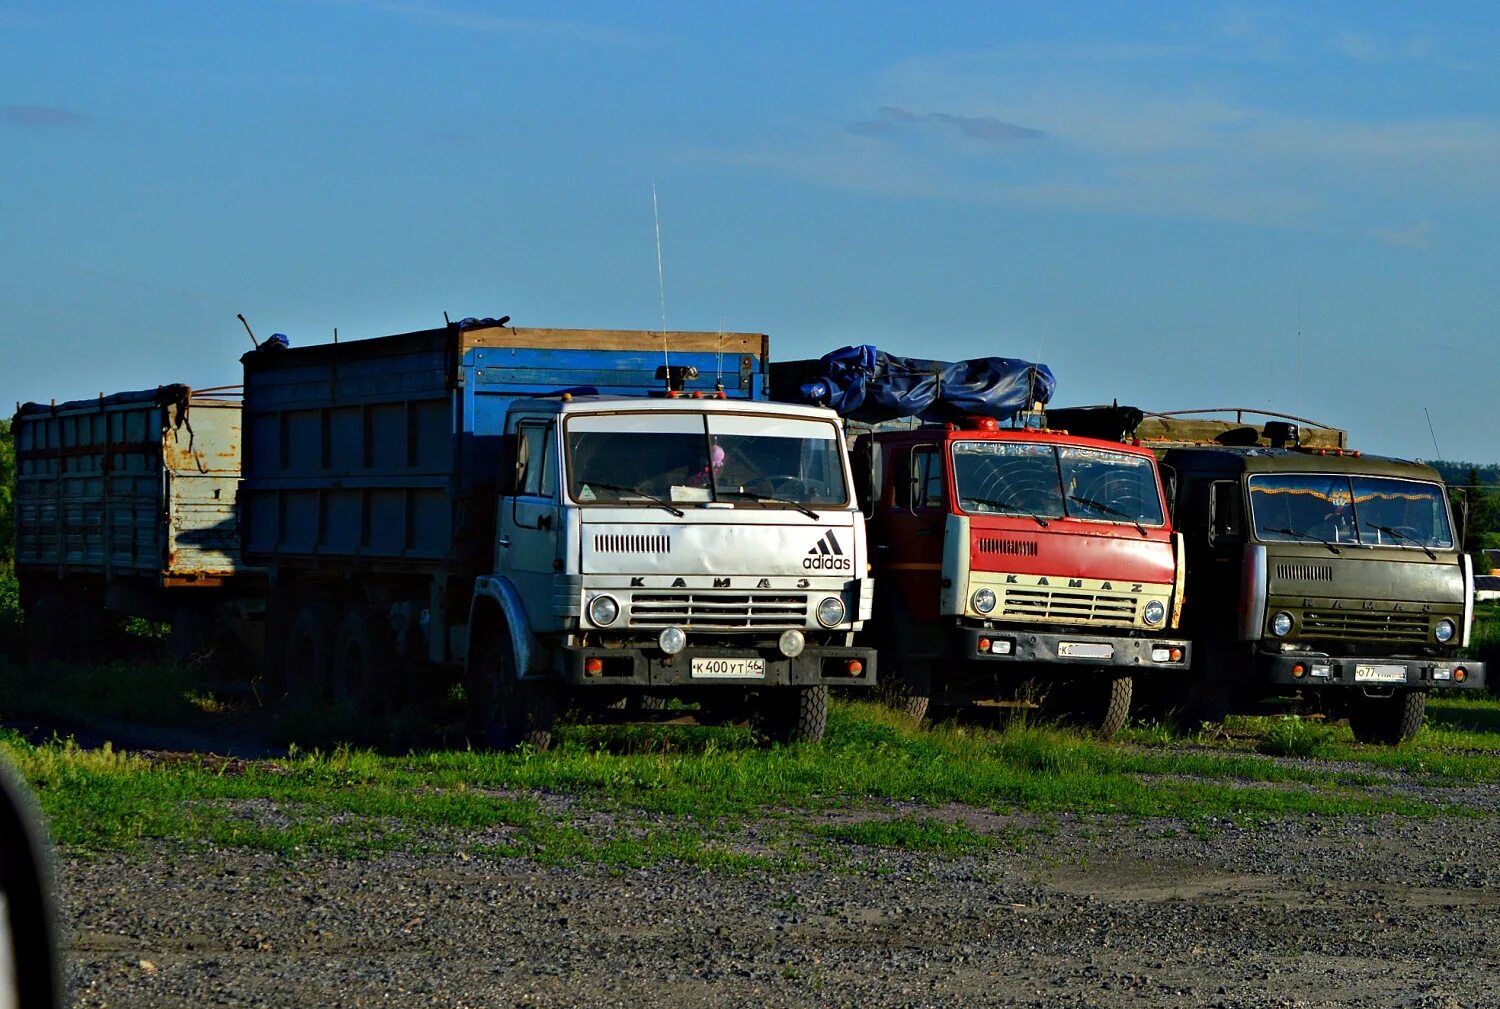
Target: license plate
column 1379, row 674
column 1085, row 650
column 729, row 669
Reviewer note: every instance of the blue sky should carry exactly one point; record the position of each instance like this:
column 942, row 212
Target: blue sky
column 1155, row 199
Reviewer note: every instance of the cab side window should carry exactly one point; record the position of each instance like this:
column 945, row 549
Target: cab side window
column 535, row 462
column 919, row 482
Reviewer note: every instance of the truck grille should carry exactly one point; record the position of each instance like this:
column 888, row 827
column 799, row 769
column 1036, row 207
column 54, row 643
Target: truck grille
column 718, row 609
column 1305, row 572
column 1069, row 606
column 1362, row 625
column 1014, row 548
column 626, row 543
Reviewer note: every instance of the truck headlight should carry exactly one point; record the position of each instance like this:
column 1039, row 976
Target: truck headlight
column 603, row 610
column 671, row 640
column 983, row 600
column 831, row 611
column 792, row 642
column 1281, row 624
column 1154, row 613
column 1444, row 631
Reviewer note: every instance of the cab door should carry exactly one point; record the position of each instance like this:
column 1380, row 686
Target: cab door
column 529, row 543
column 909, row 553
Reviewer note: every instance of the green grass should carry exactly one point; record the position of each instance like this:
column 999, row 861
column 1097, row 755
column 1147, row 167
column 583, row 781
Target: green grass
column 627, row 798
column 156, row 693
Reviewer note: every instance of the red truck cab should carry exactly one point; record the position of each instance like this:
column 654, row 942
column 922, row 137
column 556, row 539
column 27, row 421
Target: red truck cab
column 1020, row 564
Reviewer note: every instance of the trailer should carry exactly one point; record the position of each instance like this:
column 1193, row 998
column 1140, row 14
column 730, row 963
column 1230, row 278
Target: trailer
column 125, row 505
column 571, row 518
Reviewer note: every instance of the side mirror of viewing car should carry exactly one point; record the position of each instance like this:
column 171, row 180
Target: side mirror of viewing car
column 29, row 974
column 1226, row 514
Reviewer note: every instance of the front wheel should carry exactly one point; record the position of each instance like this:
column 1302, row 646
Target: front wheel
column 794, row 714
column 511, row 711
column 1099, row 703
column 1389, row 721
column 908, row 689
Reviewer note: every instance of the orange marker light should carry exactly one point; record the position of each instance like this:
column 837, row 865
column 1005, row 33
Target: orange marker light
column 1460, row 674
column 984, row 644
column 1299, row 670
column 593, row 666
column 855, row 667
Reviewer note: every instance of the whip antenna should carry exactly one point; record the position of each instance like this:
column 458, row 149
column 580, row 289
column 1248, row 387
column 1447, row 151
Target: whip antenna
column 661, row 284
column 241, row 317
column 1432, row 432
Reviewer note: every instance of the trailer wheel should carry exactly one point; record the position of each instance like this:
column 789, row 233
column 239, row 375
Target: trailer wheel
column 794, row 714
column 511, row 711
column 307, row 657
column 909, row 689
column 1389, row 721
column 363, row 660
column 46, row 623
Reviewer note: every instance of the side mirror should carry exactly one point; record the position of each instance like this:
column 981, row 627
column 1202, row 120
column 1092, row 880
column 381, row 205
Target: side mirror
column 1226, row 514
column 29, row 974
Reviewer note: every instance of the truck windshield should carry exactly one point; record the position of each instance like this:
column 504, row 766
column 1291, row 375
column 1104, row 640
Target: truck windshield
column 746, row 460
column 1361, row 510
column 1056, row 481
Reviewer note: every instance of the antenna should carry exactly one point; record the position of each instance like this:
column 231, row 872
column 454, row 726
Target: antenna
column 719, row 362
column 1299, row 346
column 661, row 282
column 446, row 321
column 1432, row 432
column 241, row 317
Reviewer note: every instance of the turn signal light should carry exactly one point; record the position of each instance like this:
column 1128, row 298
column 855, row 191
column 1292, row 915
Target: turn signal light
column 593, row 666
column 855, row 667
column 1460, row 674
column 1177, row 655
column 984, row 644
column 1299, row 670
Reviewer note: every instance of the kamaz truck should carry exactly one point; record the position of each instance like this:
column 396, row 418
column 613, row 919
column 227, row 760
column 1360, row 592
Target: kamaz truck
column 1016, row 564
column 1316, row 572
column 576, row 519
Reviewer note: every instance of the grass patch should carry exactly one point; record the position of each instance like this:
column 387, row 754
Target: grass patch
column 157, row 693
column 1292, row 736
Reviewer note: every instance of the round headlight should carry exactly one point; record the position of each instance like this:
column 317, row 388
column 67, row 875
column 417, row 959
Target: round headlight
column 831, row 611
column 792, row 642
column 603, row 610
column 983, row 600
column 1444, row 630
column 1281, row 624
column 671, row 640
column 1154, row 613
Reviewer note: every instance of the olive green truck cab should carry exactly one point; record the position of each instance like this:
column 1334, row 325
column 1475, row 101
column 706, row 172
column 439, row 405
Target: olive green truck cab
column 1317, row 572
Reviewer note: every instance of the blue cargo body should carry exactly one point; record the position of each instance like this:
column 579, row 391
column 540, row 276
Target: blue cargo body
column 382, row 454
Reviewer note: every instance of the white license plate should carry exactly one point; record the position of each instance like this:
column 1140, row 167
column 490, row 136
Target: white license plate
column 729, row 669
column 1085, row 650
column 1379, row 674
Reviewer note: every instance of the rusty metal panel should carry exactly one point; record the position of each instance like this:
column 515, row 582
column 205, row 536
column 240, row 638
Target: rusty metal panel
column 202, row 464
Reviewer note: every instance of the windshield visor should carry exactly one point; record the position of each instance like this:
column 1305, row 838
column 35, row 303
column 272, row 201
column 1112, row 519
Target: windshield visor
column 1055, row 482
column 1367, row 511
column 638, row 458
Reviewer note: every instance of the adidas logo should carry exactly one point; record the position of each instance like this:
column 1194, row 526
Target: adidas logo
column 826, row 555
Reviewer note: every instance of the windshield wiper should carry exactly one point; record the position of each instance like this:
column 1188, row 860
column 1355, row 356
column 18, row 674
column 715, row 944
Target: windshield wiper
column 1108, row 510
column 1304, row 536
column 1401, row 537
column 1007, row 506
column 669, row 506
column 770, row 499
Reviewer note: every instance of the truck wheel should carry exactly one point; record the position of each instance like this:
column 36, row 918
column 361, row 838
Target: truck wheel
column 909, row 690
column 512, row 711
column 1389, row 721
column 794, row 715
column 46, row 624
column 363, row 660
column 306, row 669
column 1099, row 703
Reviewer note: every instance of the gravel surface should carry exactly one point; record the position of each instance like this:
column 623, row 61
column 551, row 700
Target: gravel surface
column 1081, row 912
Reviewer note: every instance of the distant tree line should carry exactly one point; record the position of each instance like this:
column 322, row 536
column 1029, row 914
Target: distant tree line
column 7, row 494
column 1475, row 490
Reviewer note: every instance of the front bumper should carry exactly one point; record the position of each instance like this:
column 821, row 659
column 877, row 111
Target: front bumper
column 640, row 667
column 1011, row 645
column 1337, row 671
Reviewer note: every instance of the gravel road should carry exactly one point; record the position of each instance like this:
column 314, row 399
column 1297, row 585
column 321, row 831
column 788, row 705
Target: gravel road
column 1084, row 912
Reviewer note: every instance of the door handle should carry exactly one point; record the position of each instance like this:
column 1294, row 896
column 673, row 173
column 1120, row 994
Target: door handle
column 505, row 541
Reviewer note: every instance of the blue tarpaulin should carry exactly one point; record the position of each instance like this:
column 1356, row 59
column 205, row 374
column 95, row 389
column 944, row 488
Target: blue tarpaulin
column 869, row 385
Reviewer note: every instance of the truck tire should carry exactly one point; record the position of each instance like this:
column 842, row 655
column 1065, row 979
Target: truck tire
column 307, row 657
column 363, row 660
column 1099, row 702
column 794, row 715
column 511, row 711
column 1388, row 721
column 909, row 690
